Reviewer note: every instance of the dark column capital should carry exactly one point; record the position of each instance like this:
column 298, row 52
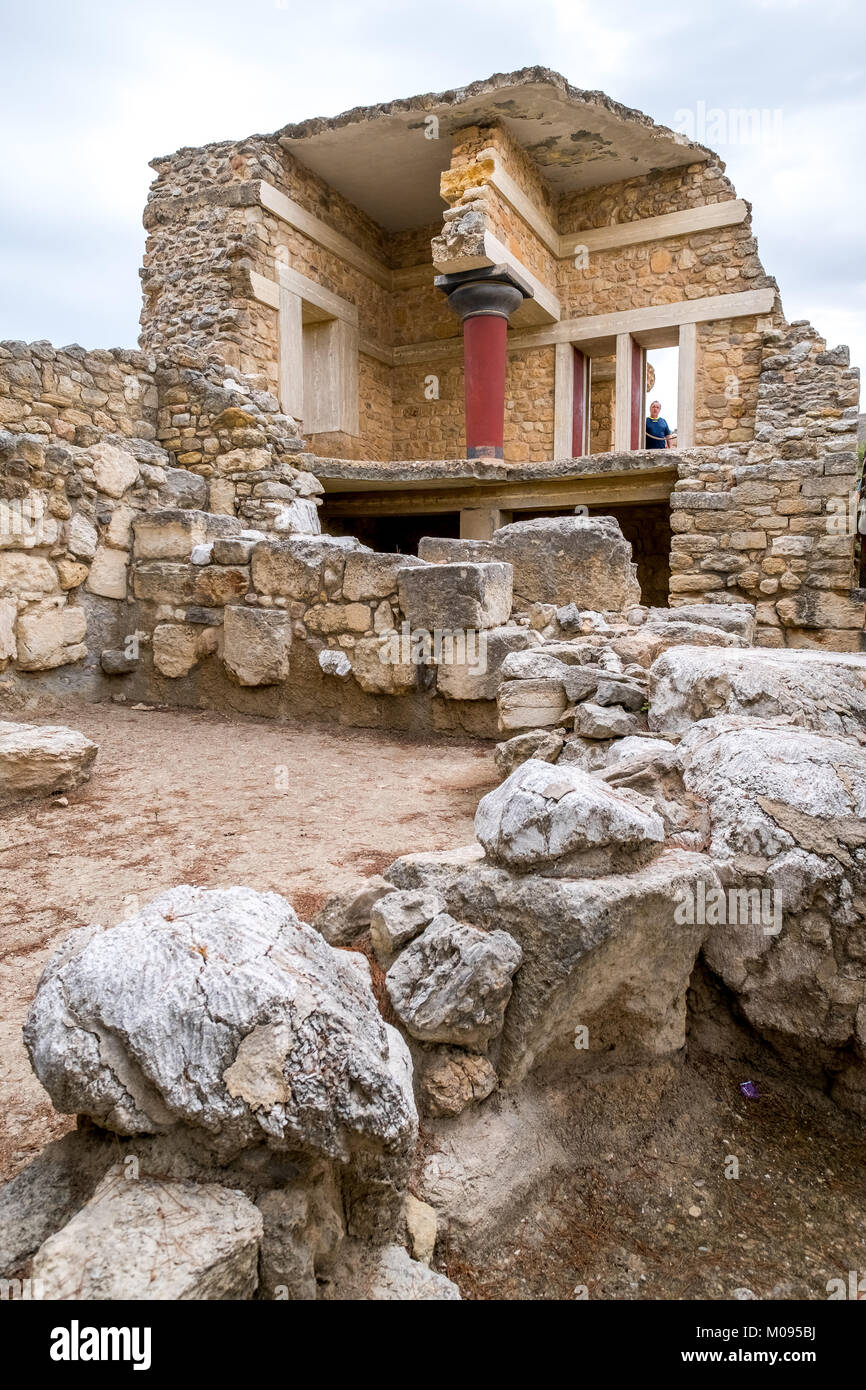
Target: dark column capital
column 488, row 290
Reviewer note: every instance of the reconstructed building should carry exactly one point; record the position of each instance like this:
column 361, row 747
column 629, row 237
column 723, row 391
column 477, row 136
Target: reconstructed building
column 454, row 295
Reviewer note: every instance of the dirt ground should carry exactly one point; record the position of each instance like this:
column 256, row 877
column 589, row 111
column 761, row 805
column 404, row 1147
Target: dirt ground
column 182, row 796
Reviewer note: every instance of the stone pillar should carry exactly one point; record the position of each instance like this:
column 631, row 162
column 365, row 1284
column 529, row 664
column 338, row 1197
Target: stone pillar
column 484, row 298
column 479, row 523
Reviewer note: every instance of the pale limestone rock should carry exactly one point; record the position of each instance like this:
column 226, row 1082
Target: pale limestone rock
column 459, row 596
column 41, row 640
column 606, row 721
column 335, row 663
column 530, row 704
column 168, row 535
column 108, row 572
column 328, row 618
column 347, row 914
column 114, row 468
column 472, row 666
column 452, row 984
column 738, row 618
column 601, row 953
column 303, row 1229
column 542, row 744
column 562, row 820
column 787, row 832
column 422, row 1223
column 454, row 1079
column 8, row 614
column 81, row 539
column 219, row 1010
column 36, row 760
column 26, row 574
column 370, row 575
column 575, row 559
column 148, row 1240
column 434, row 869
column 398, row 916
column 362, row 1274
column 822, row 690
column 377, row 671
column 176, row 648
column 257, row 645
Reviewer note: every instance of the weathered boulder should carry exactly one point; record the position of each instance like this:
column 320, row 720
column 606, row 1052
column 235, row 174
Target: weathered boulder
column 604, row 954
column 822, row 690
column 38, row 759
column 563, row 821
column 452, row 983
column 738, row 618
column 144, row 1239
column 346, row 914
column 303, row 1228
column 592, row 720
column 787, row 833
column 396, row 917
column 257, row 644
column 434, row 869
column 220, row 1011
column 454, row 1079
column 543, row 744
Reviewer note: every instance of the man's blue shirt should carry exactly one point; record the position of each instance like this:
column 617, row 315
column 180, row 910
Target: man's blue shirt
column 657, row 432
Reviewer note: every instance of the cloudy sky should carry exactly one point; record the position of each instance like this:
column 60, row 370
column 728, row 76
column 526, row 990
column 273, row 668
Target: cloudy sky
column 92, row 89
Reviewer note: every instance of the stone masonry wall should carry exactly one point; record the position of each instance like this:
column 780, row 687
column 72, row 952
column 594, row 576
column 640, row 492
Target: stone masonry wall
column 74, row 394
column 771, row 521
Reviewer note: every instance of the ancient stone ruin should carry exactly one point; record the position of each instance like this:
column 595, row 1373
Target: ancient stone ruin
column 380, row 465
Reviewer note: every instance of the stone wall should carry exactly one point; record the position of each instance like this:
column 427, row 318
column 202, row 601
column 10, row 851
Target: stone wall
column 74, row 394
column 771, row 522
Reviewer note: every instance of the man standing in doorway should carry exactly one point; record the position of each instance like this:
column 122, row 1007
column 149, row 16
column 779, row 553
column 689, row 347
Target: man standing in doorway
column 657, row 431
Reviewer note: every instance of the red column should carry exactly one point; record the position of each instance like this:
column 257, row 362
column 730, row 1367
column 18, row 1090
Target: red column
column 484, row 299
column 484, row 361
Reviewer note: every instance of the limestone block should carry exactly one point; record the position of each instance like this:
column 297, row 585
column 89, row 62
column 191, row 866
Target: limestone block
column 119, row 530
column 168, row 535
column 398, row 916
column 562, row 560
column 257, row 645
column 81, row 538
column 224, row 1014
column 822, row 690
column 821, row 608
column 535, row 743
column 530, row 704
column 297, row 568
column 108, row 573
column 216, row 585
column 182, row 489
column 41, row 640
column 370, row 575
column 378, row 668
column 8, row 614
column 471, row 669
column 36, row 760
column 455, row 596
column 607, row 721
column 114, row 468
column 328, row 618
column 26, row 574
column 162, row 581
column 176, row 648
column 151, row 1240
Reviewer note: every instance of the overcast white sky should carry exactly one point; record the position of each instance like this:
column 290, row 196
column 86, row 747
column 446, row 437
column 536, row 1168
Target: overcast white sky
column 92, row 91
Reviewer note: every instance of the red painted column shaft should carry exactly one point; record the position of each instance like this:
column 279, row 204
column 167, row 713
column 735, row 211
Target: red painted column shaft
column 484, row 360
